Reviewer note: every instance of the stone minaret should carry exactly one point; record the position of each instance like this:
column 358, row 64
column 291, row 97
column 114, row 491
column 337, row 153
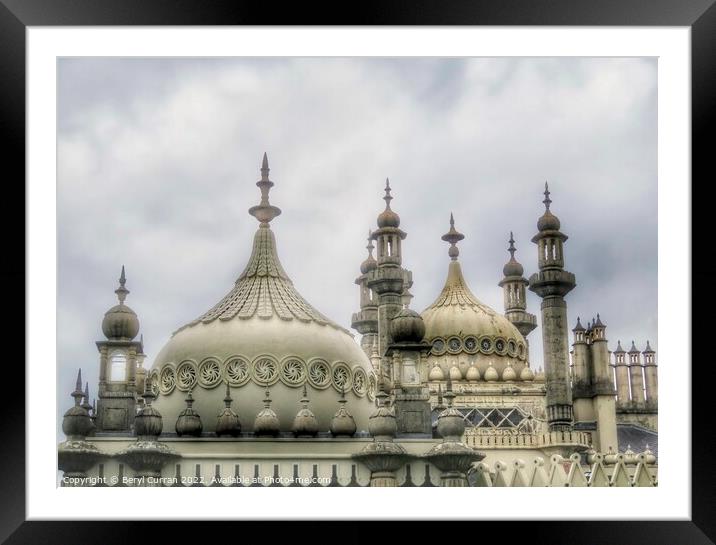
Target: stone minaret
column 621, row 371
column 365, row 321
column 602, row 389
column 636, row 376
column 118, row 365
column 552, row 283
column 388, row 279
column 513, row 285
column 650, row 377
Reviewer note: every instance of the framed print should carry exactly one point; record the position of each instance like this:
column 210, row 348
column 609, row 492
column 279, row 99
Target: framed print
column 389, row 261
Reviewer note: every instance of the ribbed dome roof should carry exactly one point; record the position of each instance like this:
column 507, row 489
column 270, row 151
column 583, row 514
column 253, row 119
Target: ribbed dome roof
column 457, row 311
column 263, row 333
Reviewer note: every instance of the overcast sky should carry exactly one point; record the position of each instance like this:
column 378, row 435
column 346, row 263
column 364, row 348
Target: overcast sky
column 157, row 161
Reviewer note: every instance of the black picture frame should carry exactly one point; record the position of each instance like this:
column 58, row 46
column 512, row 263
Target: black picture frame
column 699, row 15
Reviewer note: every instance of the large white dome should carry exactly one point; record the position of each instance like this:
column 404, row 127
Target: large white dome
column 263, row 334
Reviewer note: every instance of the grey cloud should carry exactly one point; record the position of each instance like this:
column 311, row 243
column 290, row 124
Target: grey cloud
column 157, row 160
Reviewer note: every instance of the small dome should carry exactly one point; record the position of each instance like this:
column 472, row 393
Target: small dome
column 382, row 424
column 436, row 373
column 120, row 322
column 473, row 373
column 527, row 374
column 368, row 265
column 407, row 326
column 343, row 423
column 266, row 422
column 455, row 373
column 451, row 424
column 77, row 422
column 548, row 222
column 228, row 423
column 388, row 218
column 509, row 373
column 189, row 421
column 491, row 374
column 305, row 424
column 513, row 268
column 148, row 422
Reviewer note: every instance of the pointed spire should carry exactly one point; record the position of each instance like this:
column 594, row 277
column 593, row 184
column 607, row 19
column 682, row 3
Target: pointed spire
column 440, row 397
column 619, row 349
column 453, row 237
column 579, row 326
column 449, row 394
column 547, row 201
column 85, row 398
column 370, row 247
column 78, row 394
column 227, row 397
column 633, row 349
column 512, row 267
column 598, row 323
column 122, row 291
column 264, row 211
column 648, row 349
column 512, row 248
column 388, row 197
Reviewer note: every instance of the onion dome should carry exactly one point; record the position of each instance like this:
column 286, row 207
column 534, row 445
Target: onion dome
column 76, row 422
column 527, row 374
column 267, row 422
column 579, row 326
column 509, row 373
column 629, row 456
column 633, row 349
column 120, row 322
column 382, row 424
column 436, row 372
column 648, row 349
column 619, row 349
column 548, row 221
column 491, row 373
column 458, row 313
column 455, row 373
column 539, row 377
column 189, row 421
column 610, row 457
column 473, row 373
column 228, row 423
column 451, row 423
column 369, row 263
column 649, row 456
column 512, row 267
column 343, row 423
column 148, row 421
column 305, row 423
column 263, row 332
column 407, row 327
column 388, row 218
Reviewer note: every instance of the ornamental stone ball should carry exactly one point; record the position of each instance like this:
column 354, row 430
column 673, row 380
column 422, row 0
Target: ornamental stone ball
column 407, row 327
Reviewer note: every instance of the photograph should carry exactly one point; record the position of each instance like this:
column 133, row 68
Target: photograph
column 357, row 271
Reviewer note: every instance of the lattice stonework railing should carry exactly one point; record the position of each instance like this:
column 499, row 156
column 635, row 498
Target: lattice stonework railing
column 474, row 438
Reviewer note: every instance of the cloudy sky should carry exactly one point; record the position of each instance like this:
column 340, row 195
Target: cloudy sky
column 157, row 161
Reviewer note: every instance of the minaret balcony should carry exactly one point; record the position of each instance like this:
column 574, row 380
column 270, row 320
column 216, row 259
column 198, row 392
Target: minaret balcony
column 552, row 282
column 386, row 280
column 365, row 321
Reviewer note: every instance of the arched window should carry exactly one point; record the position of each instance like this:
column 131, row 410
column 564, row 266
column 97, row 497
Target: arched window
column 118, row 367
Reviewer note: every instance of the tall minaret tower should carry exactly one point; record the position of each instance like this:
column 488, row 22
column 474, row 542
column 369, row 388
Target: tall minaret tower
column 513, row 285
column 621, row 373
column 552, row 283
column 388, row 279
column 636, row 376
column 365, row 321
column 650, row 377
column 118, row 365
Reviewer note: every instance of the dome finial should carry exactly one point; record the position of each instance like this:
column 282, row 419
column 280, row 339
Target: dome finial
column 264, row 211
column 449, row 394
column 512, row 248
column 547, row 201
column 122, row 291
column 78, row 394
column 453, row 237
column 388, row 197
